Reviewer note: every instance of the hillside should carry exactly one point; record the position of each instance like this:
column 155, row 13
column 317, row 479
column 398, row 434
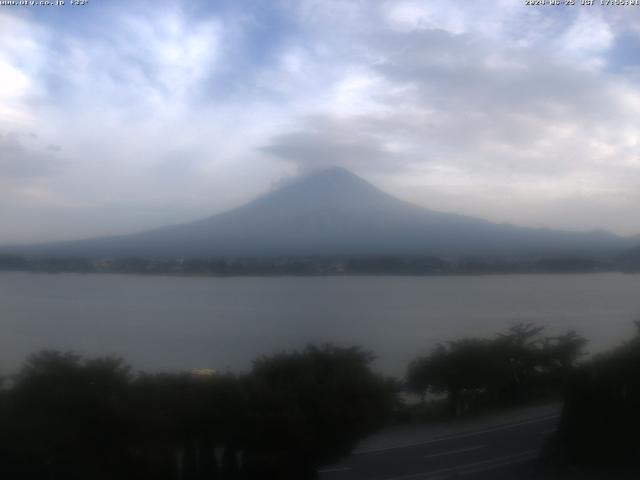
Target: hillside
column 334, row 212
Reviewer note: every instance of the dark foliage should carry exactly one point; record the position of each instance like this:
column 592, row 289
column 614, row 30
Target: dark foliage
column 509, row 369
column 313, row 406
column 601, row 416
column 68, row 418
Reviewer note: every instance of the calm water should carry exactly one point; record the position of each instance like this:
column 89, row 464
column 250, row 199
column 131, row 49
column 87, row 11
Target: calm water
column 181, row 323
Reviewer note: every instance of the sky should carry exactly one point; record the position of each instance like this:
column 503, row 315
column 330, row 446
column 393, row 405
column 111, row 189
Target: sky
column 119, row 116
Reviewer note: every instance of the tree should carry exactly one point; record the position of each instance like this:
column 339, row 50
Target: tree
column 313, row 406
column 67, row 417
column 71, row 418
column 508, row 369
column 179, row 421
column 601, row 415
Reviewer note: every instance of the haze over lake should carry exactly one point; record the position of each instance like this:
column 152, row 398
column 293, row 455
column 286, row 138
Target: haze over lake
column 173, row 323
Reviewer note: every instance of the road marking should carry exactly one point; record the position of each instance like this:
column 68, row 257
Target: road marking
column 457, row 436
column 475, row 467
column 453, row 452
column 334, row 470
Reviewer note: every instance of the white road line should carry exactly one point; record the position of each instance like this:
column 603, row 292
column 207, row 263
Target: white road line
column 333, row 470
column 453, row 452
column 484, row 465
column 458, row 436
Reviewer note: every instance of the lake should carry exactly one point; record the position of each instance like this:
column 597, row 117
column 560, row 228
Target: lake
column 177, row 323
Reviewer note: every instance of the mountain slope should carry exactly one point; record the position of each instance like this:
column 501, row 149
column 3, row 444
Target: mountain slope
column 630, row 260
column 335, row 213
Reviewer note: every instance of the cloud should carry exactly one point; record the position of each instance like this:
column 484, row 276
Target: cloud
column 159, row 115
column 444, row 99
column 464, row 103
column 21, row 162
column 329, row 141
column 19, row 84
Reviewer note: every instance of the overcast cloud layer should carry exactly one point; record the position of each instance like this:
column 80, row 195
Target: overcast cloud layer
column 120, row 116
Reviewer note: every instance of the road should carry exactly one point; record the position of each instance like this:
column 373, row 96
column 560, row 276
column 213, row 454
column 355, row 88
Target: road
column 503, row 452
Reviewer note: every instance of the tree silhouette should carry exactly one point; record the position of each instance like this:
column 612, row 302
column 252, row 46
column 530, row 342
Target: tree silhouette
column 508, row 369
column 314, row 406
column 601, row 415
column 69, row 418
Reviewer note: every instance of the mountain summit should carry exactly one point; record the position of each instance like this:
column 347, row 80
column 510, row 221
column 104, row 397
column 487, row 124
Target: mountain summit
column 334, row 212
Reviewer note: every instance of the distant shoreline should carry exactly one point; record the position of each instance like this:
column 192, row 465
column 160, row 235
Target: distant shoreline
column 344, row 265
column 318, row 275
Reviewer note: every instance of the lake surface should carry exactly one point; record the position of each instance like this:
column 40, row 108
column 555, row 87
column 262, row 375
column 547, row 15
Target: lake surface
column 176, row 323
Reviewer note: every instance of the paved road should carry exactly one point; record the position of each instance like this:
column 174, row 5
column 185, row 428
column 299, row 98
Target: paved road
column 502, row 452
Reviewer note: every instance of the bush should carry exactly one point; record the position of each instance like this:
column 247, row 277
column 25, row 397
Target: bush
column 507, row 370
column 70, row 418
